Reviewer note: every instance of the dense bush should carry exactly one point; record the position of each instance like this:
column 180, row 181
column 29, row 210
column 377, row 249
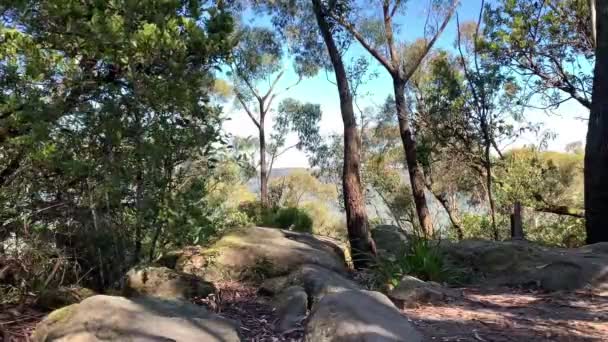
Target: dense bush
column 291, row 218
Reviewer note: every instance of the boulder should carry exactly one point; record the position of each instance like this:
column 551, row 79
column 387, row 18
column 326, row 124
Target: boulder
column 358, row 315
column 318, row 281
column 522, row 263
column 291, row 307
column 389, row 239
column 63, row 296
column 165, row 283
column 257, row 253
column 109, row 318
column 412, row 291
column 273, row 286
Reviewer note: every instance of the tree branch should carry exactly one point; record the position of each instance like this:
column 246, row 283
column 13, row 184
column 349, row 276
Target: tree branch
column 430, row 44
column 242, row 102
column 359, row 37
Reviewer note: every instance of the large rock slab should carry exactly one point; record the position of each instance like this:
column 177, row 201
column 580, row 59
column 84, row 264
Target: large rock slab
column 412, row 291
column 165, row 283
column 517, row 263
column 390, row 240
column 318, row 281
column 358, row 315
column 291, row 308
column 257, row 253
column 109, row 318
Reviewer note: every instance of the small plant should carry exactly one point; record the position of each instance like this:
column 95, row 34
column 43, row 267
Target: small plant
column 420, row 258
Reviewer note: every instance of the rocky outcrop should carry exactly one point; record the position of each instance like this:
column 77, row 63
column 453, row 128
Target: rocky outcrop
column 108, row 318
column 165, row 283
column 257, row 253
column 389, row 239
column 358, row 315
column 521, row 263
column 291, row 306
column 63, row 296
column 412, row 291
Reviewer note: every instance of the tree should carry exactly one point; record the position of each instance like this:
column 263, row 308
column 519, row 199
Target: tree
column 103, row 105
column 596, row 151
column 401, row 68
column 548, row 44
column 356, row 216
column 257, row 60
column 312, row 41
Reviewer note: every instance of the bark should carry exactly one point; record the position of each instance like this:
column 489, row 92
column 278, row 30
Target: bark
column 263, row 166
column 362, row 245
column 445, row 203
column 414, row 169
column 488, row 166
column 517, row 227
column 139, row 197
column 562, row 210
column 596, row 150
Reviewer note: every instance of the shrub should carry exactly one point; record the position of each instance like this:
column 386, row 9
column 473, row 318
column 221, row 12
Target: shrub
column 285, row 218
column 420, row 259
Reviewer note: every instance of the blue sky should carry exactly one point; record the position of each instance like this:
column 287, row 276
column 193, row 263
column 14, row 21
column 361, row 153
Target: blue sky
column 563, row 122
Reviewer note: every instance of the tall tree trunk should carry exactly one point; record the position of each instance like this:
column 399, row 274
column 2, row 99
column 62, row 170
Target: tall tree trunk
column 596, row 150
column 445, row 203
column 517, row 227
column 263, row 166
column 362, row 245
column 413, row 167
column 139, row 196
column 488, row 166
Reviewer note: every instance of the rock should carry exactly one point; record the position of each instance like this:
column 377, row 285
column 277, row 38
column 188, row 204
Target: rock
column 389, row 239
column 273, row 286
column 412, row 291
column 522, row 263
column 291, row 308
column 108, row 318
column 164, row 283
column 357, row 315
column 63, row 296
column 318, row 281
column 561, row 275
column 257, row 253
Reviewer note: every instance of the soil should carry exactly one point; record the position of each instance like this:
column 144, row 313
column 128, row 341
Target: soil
column 501, row 314
column 507, row 314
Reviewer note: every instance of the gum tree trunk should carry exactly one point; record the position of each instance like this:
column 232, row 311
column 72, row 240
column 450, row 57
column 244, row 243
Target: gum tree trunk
column 596, row 150
column 362, row 245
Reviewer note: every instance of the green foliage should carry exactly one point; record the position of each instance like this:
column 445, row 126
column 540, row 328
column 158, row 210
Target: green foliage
column 104, row 105
column 420, row 258
column 290, row 218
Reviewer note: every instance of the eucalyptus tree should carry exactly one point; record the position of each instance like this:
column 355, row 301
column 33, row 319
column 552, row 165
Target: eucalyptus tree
column 257, row 69
column 596, row 150
column 548, row 44
column 378, row 36
column 316, row 42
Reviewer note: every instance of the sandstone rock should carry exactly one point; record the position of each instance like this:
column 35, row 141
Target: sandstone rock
column 357, row 315
column 318, row 281
column 273, row 286
column 412, row 291
column 522, row 263
column 165, row 283
column 291, row 308
column 561, row 275
column 63, row 296
column 257, row 253
column 389, row 239
column 108, row 318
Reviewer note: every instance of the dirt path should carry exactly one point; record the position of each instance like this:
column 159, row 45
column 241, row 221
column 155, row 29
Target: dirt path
column 514, row 315
column 496, row 315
